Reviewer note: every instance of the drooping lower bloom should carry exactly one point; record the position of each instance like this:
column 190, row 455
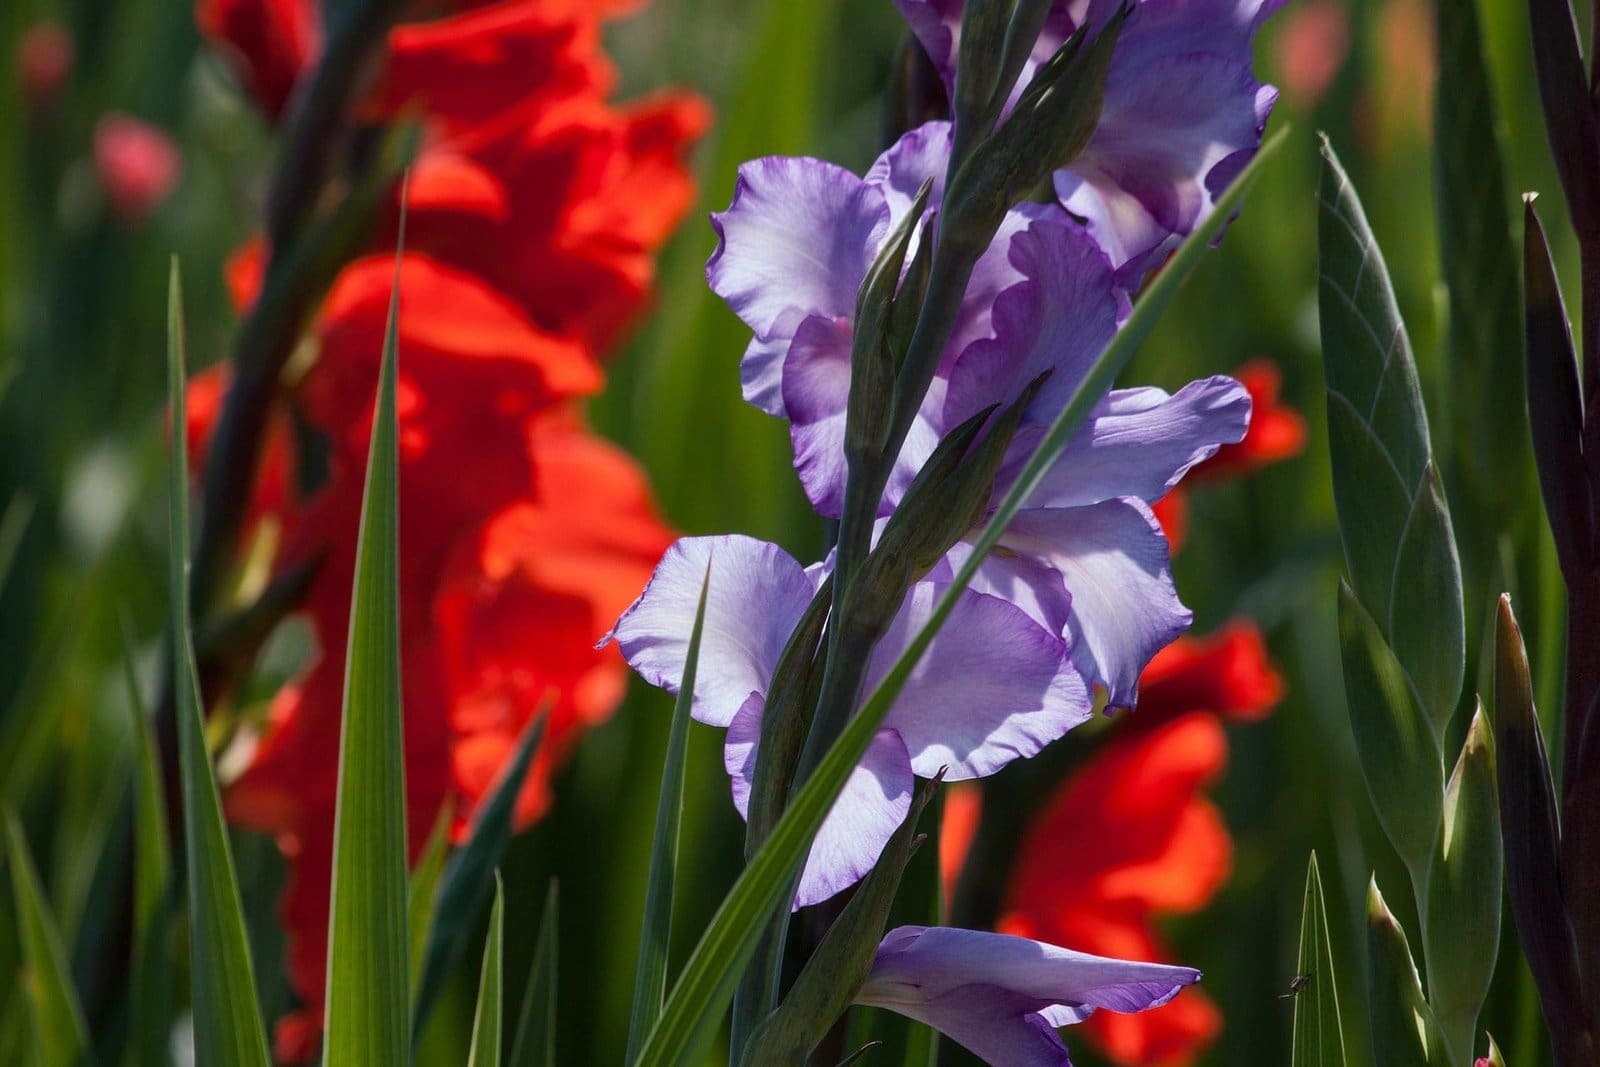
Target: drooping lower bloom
column 1183, row 113
column 1003, row 997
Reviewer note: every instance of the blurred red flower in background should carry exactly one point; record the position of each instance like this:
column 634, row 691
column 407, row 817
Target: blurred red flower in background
column 138, row 166
column 45, row 56
column 534, row 212
column 1129, row 837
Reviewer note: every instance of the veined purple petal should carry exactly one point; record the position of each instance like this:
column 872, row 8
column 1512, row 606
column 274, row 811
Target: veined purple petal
column 1058, row 317
column 756, row 595
column 1025, row 582
column 920, row 155
column 994, row 685
column 796, row 241
column 875, row 801
column 816, row 391
column 1140, row 442
column 1116, row 565
column 1143, row 180
column 1182, row 109
column 1001, row 996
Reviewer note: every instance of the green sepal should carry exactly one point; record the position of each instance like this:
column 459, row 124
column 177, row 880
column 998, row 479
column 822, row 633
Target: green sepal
column 1403, row 1030
column 1462, row 935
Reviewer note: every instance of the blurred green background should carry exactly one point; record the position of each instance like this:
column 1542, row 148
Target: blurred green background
column 82, row 528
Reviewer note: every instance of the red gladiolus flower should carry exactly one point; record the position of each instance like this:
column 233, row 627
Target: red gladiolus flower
column 1276, row 432
column 268, row 42
column 1126, row 838
column 1312, row 41
column 138, row 166
column 534, row 213
column 45, row 57
column 1227, row 673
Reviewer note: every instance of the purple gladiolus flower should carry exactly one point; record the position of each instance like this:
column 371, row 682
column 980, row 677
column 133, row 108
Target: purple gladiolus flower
column 994, row 686
column 1086, row 559
column 1183, row 113
column 1003, row 997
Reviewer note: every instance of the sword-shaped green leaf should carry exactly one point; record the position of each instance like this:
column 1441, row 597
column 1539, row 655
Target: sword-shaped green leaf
column 423, row 888
column 1393, row 520
column 227, row 1015
column 1318, row 1033
column 486, row 1022
column 468, row 879
column 150, row 1000
column 535, row 1045
column 706, row 983
column 655, row 936
column 60, row 1036
column 369, row 984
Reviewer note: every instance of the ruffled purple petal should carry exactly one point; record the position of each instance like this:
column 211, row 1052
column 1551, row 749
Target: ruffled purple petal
column 1025, row 582
column 1115, row 563
column 816, row 391
column 799, row 234
column 920, row 155
column 756, row 595
column 1058, row 317
column 1170, row 119
column 1141, row 442
column 994, row 685
column 874, row 803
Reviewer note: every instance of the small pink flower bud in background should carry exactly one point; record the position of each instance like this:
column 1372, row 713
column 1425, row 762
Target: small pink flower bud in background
column 45, row 56
column 138, row 166
column 1312, row 41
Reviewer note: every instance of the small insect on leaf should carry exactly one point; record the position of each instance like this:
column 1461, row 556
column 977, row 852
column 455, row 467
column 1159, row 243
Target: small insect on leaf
column 1296, row 984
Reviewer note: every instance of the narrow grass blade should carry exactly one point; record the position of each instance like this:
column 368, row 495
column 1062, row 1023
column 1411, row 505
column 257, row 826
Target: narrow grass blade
column 468, row 879
column 152, row 887
column 486, row 1022
column 423, row 888
column 535, row 1045
column 60, row 1036
column 227, row 1015
column 369, row 984
column 1318, row 1032
column 707, row 981
column 1393, row 521
column 655, row 937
